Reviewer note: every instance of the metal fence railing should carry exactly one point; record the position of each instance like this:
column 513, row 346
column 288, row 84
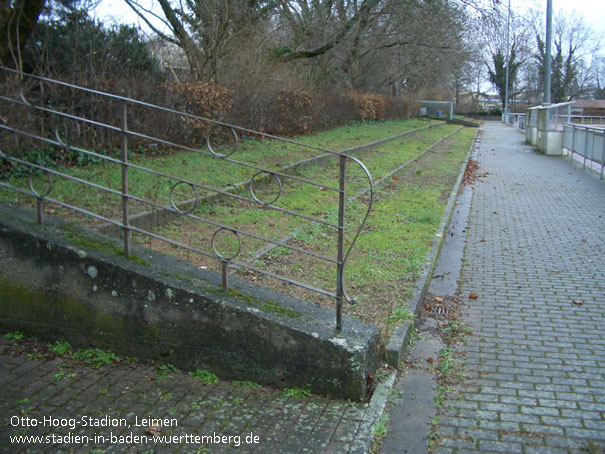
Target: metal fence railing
column 585, row 141
column 61, row 125
column 587, row 119
column 515, row 119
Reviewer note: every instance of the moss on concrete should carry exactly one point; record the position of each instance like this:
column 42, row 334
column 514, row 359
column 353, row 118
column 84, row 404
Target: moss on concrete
column 77, row 237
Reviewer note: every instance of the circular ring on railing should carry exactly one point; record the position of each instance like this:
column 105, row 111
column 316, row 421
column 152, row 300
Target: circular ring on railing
column 220, row 155
column 63, row 142
column 253, row 194
column 239, row 245
column 22, row 96
column 31, row 185
column 348, row 299
column 24, row 99
column 197, row 198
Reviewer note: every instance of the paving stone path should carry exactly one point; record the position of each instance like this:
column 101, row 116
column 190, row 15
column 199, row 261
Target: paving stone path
column 535, row 363
column 535, row 258
column 60, row 398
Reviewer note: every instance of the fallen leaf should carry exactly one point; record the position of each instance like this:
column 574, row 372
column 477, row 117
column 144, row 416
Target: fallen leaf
column 430, row 360
column 584, row 240
column 473, row 296
column 439, row 299
column 395, row 178
column 578, row 302
column 154, row 431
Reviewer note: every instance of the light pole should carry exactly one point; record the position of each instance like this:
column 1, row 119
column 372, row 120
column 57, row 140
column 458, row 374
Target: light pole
column 547, row 52
column 507, row 63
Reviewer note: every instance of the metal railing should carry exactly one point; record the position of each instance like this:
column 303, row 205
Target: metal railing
column 515, row 119
column 62, row 126
column 585, row 141
column 585, row 119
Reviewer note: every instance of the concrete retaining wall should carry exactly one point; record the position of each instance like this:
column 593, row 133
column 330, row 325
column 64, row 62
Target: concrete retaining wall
column 58, row 281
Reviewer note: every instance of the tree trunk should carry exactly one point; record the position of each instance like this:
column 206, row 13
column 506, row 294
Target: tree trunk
column 17, row 23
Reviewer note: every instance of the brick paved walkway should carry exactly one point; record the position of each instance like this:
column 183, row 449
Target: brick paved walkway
column 43, row 391
column 536, row 360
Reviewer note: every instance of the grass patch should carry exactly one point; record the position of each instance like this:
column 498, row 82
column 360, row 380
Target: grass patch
column 60, row 347
column 296, row 392
column 192, row 166
column 206, row 377
column 96, row 356
column 381, row 428
column 245, row 384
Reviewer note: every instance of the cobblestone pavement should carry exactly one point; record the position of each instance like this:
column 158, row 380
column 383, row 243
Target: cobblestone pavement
column 534, row 257
column 67, row 399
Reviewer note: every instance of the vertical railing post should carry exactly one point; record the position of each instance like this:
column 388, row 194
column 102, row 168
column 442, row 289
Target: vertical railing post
column 126, row 230
column 603, row 157
column 225, row 273
column 585, row 147
column 40, row 209
column 592, row 147
column 573, row 141
column 341, row 242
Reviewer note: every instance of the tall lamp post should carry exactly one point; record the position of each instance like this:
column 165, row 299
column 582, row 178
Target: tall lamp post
column 547, row 52
column 507, row 63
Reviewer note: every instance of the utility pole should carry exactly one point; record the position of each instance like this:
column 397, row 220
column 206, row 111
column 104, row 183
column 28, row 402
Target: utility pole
column 547, row 56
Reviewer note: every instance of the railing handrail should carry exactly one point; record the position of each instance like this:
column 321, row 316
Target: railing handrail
column 342, row 255
column 587, row 143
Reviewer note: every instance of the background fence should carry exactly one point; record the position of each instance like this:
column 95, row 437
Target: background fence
column 556, row 128
column 515, row 119
column 585, row 141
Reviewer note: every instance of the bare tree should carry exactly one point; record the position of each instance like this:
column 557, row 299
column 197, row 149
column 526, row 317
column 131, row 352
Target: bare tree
column 573, row 69
column 204, row 28
column 506, row 35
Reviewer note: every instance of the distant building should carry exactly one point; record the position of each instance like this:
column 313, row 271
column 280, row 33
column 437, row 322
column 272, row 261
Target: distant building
column 489, row 102
column 589, row 107
column 477, row 102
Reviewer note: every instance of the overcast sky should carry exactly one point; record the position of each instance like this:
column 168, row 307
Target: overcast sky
column 593, row 11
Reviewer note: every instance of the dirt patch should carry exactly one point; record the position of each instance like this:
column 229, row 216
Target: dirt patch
column 470, row 173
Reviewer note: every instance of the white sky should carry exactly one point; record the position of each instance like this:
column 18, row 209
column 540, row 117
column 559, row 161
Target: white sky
column 118, row 11
column 593, row 11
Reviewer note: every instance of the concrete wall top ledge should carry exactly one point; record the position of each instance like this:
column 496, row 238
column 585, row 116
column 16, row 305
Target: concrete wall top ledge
column 58, row 280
